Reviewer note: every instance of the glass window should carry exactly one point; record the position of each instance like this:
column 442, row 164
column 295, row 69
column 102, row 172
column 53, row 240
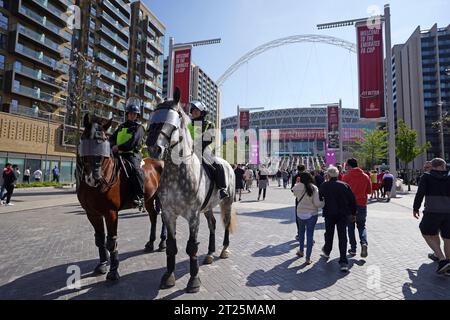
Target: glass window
column 20, row 163
column 65, row 172
column 3, row 20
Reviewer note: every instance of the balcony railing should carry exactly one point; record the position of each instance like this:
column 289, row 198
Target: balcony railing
column 38, row 75
column 111, row 75
column 117, row 12
column 39, row 95
column 42, row 58
column 153, row 65
column 116, row 24
column 114, row 36
column 112, row 49
column 111, row 62
column 124, row 5
column 52, row 9
column 110, row 88
column 157, row 46
column 36, row 113
column 38, row 37
column 38, row 18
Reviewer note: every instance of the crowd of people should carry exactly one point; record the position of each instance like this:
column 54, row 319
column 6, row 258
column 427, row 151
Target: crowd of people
column 344, row 198
column 10, row 177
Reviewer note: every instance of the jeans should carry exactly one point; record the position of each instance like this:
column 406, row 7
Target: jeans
column 285, row 183
column 361, row 215
column 307, row 226
column 340, row 221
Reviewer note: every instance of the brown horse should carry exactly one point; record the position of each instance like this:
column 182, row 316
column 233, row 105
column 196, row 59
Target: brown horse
column 103, row 190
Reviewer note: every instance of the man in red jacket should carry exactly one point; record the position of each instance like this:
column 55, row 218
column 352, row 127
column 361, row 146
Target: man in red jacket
column 361, row 186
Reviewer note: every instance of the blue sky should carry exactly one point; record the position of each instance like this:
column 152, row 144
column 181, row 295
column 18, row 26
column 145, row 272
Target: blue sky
column 295, row 75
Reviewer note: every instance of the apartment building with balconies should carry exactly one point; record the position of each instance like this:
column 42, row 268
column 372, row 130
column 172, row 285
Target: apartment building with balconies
column 145, row 57
column 104, row 38
column 35, row 50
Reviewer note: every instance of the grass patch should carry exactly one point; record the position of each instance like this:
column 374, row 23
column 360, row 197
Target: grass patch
column 40, row 184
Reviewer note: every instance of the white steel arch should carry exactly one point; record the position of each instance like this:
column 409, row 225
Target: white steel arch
column 281, row 42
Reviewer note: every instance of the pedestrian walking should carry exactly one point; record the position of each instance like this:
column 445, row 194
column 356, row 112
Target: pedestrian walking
column 338, row 212
column 9, row 179
column 279, row 177
column 263, row 178
column 308, row 206
column 26, row 175
column 248, row 179
column 300, row 168
column 388, row 182
column 239, row 174
column 55, row 173
column 434, row 186
column 285, row 177
column 361, row 187
column 318, row 178
column 37, row 175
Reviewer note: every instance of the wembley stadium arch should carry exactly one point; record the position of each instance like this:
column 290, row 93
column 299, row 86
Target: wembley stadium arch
column 311, row 38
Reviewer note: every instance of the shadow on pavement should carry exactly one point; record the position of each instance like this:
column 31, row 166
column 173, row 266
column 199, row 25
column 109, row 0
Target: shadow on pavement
column 320, row 275
column 43, row 193
column 277, row 250
column 51, row 283
column 426, row 284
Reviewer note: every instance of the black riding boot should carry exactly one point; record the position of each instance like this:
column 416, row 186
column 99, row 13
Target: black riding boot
column 137, row 181
column 219, row 177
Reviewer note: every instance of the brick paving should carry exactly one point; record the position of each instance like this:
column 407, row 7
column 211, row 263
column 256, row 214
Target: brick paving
column 37, row 246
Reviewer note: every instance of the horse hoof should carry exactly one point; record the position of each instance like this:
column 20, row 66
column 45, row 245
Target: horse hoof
column 225, row 254
column 113, row 276
column 100, row 269
column 167, row 281
column 193, row 285
column 149, row 247
column 208, row 259
column 162, row 246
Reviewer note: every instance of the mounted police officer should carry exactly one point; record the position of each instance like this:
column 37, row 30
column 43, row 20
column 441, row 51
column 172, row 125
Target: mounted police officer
column 198, row 113
column 127, row 142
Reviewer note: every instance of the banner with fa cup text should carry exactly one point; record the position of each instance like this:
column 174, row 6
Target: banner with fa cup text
column 371, row 74
column 182, row 74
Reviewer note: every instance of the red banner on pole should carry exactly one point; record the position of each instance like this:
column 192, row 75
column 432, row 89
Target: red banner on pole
column 333, row 127
column 244, row 119
column 371, row 71
column 182, row 74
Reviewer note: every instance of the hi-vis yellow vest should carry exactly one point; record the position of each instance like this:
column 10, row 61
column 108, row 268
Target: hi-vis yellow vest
column 123, row 136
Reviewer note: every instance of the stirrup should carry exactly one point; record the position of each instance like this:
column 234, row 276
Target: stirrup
column 223, row 194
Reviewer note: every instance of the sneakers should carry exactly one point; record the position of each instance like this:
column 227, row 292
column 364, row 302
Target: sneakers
column 300, row 254
column 433, row 257
column 352, row 252
column 308, row 261
column 2, row 203
column 443, row 267
column 344, row 266
column 364, row 253
column 10, row 204
column 324, row 254
column 223, row 194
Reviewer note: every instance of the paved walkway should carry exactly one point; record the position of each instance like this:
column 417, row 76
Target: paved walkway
column 37, row 247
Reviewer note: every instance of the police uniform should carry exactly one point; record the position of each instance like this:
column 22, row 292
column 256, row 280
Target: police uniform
column 217, row 168
column 128, row 137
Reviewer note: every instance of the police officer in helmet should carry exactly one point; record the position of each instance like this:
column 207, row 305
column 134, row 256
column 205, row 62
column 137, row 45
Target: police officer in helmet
column 198, row 113
column 127, row 142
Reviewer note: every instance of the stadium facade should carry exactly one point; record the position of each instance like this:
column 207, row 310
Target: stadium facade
column 303, row 130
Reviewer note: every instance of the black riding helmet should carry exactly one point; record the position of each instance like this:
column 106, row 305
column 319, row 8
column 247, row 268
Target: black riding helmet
column 133, row 105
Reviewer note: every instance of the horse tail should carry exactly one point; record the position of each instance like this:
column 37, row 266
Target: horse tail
column 228, row 215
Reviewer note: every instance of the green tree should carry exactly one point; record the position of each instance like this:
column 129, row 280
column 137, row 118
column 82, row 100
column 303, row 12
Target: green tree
column 407, row 149
column 372, row 148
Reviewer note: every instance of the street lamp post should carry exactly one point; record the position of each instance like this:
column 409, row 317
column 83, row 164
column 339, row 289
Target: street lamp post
column 388, row 70
column 172, row 47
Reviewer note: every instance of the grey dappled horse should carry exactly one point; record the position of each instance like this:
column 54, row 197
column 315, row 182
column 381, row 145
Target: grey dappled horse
column 184, row 187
